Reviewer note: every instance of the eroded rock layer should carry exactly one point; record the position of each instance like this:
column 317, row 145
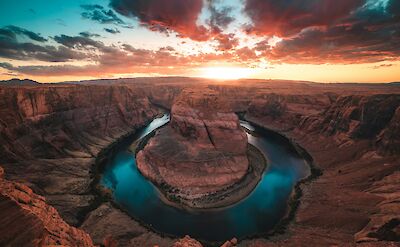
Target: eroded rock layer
column 202, row 150
column 354, row 140
column 27, row 220
column 50, row 136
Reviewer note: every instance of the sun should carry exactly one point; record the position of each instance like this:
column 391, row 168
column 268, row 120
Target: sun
column 226, row 73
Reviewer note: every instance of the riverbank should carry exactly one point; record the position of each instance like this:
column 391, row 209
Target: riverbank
column 221, row 198
column 218, row 199
column 294, row 199
column 100, row 193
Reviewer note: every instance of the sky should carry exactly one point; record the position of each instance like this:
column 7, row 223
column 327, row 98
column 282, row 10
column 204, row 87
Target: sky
column 314, row 40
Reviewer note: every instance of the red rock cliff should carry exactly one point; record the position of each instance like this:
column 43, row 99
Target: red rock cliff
column 26, row 220
column 201, row 151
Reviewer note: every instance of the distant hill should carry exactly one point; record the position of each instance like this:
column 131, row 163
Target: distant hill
column 18, row 82
column 138, row 80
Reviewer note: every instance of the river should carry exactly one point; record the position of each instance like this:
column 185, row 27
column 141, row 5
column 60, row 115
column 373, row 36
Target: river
column 256, row 214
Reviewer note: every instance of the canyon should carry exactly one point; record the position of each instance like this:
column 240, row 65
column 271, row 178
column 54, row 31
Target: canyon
column 51, row 136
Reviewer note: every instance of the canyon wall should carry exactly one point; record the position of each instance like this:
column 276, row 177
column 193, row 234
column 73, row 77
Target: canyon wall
column 26, row 220
column 354, row 140
column 50, row 137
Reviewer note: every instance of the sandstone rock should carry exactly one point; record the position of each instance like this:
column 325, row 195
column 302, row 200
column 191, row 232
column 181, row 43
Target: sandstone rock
column 201, row 151
column 389, row 139
column 187, row 241
column 51, row 135
column 230, row 243
column 26, row 220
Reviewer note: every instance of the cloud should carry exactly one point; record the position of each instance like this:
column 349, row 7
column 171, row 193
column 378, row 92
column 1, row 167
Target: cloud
column 288, row 17
column 99, row 14
column 89, row 35
column 380, row 66
column 12, row 32
column 226, row 41
column 11, row 48
column 77, row 41
column 124, row 59
column 112, row 30
column 339, row 44
column 219, row 17
column 8, row 66
column 327, row 31
column 179, row 16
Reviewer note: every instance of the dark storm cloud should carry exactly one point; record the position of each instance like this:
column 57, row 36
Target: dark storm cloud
column 13, row 31
column 8, row 66
column 89, row 35
column 11, row 47
column 287, row 17
column 112, row 30
column 77, row 41
column 394, row 8
column 29, row 51
column 327, row 31
column 219, row 17
column 99, row 14
column 179, row 16
column 338, row 45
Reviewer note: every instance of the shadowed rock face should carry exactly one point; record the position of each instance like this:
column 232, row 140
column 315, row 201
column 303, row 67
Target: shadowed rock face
column 60, row 122
column 51, row 135
column 26, row 220
column 18, row 82
column 201, row 151
column 354, row 139
column 359, row 117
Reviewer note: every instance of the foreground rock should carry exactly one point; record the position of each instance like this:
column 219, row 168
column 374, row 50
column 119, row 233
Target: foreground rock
column 202, row 151
column 26, row 220
column 187, row 242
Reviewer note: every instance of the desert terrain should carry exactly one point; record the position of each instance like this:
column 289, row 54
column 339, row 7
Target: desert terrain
column 54, row 136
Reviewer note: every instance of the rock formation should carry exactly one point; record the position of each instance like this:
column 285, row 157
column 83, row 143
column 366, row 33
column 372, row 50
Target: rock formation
column 203, row 149
column 26, row 220
column 357, row 192
column 50, row 136
column 19, row 83
column 187, row 242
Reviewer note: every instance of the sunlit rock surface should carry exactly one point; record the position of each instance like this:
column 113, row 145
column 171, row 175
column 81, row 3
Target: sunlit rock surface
column 202, row 150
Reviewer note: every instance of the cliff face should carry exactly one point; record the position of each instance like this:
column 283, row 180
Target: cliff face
column 285, row 112
column 354, row 139
column 373, row 118
column 58, row 122
column 201, row 151
column 26, row 220
column 50, row 136
column 355, row 117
